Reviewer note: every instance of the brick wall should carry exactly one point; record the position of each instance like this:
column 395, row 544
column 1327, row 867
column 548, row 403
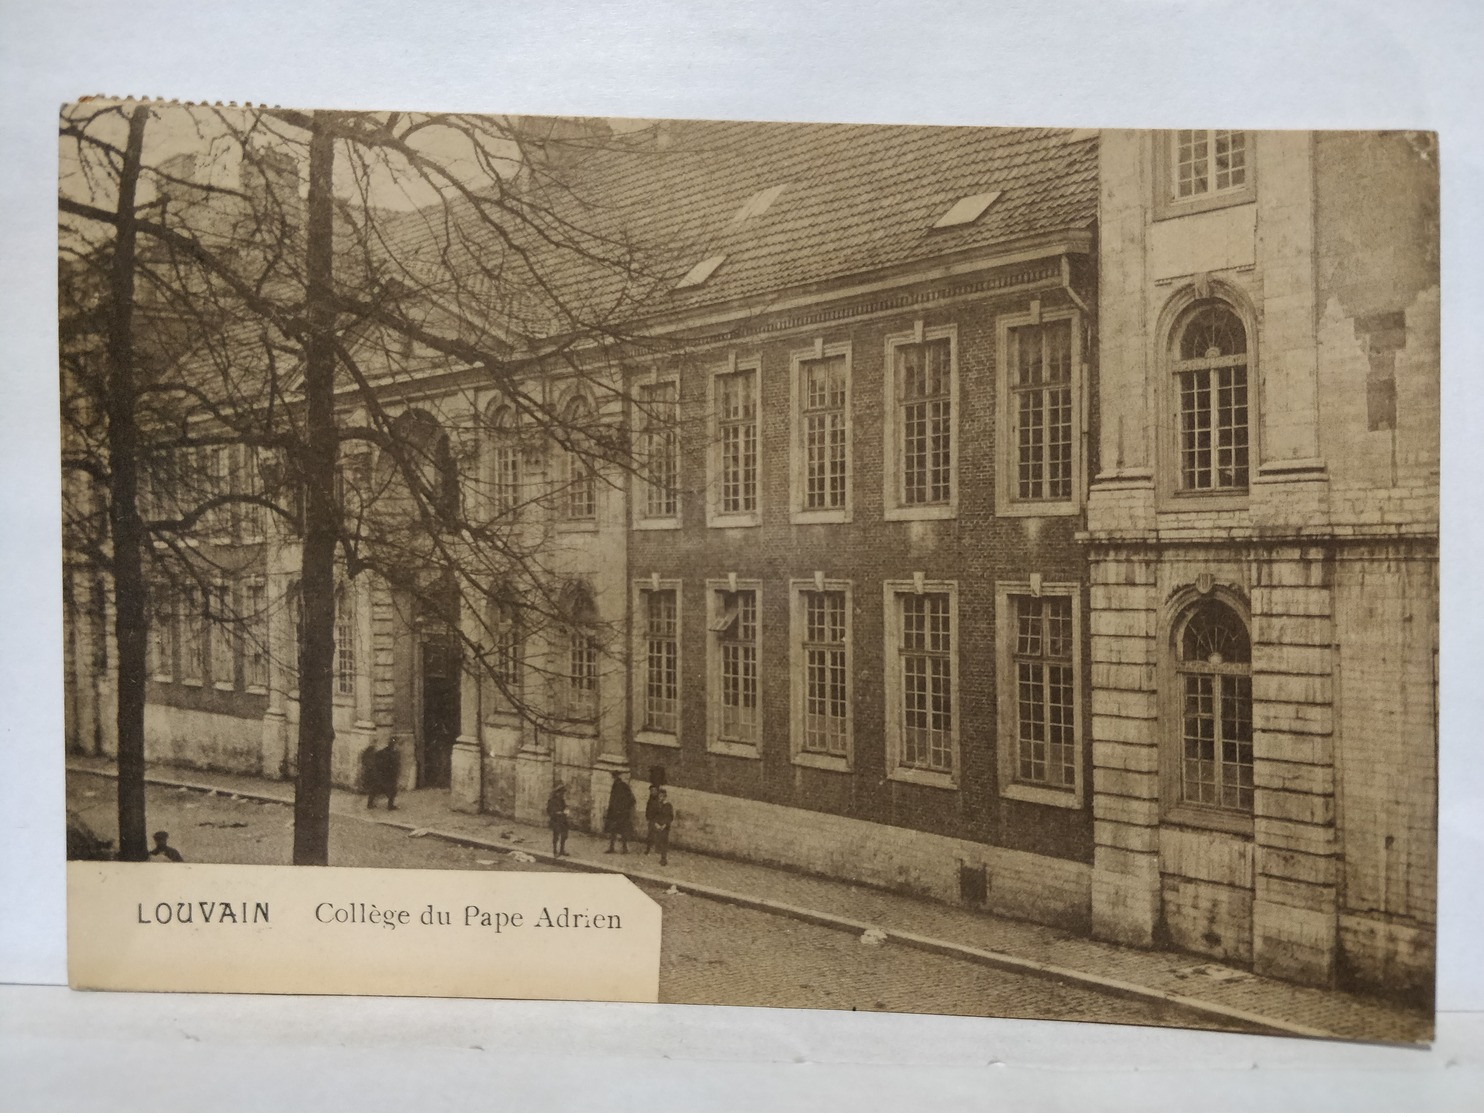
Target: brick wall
column 975, row 550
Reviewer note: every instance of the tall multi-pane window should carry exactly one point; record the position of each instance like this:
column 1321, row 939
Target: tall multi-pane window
column 193, row 636
column 1045, row 691
column 823, row 432
column 1208, row 161
column 251, row 516
column 223, row 637
column 255, row 628
column 162, row 631
column 580, row 490
column 734, row 631
column 581, row 680
column 736, row 437
column 1041, row 391
column 506, row 659
column 661, row 699
column 825, row 724
column 925, row 681
column 505, row 471
column 1210, row 370
column 1215, row 676
column 660, row 445
column 345, row 641
column 924, row 381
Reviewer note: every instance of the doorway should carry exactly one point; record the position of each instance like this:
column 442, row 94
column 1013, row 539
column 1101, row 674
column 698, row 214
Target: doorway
column 439, row 707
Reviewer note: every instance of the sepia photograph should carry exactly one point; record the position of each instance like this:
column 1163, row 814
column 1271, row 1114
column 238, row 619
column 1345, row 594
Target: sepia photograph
column 983, row 571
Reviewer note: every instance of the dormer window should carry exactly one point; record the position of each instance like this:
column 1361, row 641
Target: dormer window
column 758, row 204
column 700, row 273
column 967, row 210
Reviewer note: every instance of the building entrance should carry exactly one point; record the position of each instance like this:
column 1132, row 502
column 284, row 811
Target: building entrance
column 439, row 712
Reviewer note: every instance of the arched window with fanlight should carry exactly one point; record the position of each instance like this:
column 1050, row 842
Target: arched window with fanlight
column 1214, row 665
column 504, row 461
column 1210, row 367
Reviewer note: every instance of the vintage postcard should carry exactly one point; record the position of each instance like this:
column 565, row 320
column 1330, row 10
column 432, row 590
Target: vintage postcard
column 971, row 570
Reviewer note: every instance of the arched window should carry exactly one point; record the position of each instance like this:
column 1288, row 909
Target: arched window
column 579, row 490
column 505, row 461
column 422, row 456
column 1214, row 663
column 1210, row 367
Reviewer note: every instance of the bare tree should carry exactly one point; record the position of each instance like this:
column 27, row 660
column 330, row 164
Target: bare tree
column 292, row 327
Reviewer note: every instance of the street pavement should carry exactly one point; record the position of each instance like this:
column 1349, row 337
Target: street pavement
column 781, row 939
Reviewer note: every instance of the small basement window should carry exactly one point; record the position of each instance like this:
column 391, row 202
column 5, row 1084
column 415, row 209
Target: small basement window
column 966, row 211
column 700, row 273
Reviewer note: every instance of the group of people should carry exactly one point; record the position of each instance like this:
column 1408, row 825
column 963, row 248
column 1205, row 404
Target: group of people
column 618, row 819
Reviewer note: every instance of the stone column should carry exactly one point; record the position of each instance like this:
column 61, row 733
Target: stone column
column 1125, row 748
column 466, row 770
column 1294, row 910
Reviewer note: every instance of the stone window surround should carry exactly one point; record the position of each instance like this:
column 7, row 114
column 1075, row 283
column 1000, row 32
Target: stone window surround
column 1181, row 304
column 893, row 507
column 1007, row 503
column 892, row 592
column 797, row 587
column 1166, row 205
column 1173, row 809
column 1008, row 702
column 715, row 517
column 797, row 452
column 638, row 494
column 639, row 675
column 714, row 743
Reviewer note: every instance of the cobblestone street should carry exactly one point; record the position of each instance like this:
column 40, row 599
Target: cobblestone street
column 712, row 953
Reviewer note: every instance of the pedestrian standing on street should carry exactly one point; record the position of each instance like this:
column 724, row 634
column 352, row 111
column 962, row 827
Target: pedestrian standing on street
column 664, row 818
column 381, row 772
column 163, row 847
column 618, row 821
column 556, row 818
column 649, row 806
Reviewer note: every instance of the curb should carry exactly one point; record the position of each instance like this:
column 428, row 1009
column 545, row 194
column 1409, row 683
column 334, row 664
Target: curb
column 1210, row 1010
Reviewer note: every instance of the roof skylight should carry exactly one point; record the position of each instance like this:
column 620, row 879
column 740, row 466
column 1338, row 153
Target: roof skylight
column 966, row 211
column 758, row 204
column 700, row 273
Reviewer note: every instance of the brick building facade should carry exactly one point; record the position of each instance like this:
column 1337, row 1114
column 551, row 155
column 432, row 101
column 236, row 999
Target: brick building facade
column 1037, row 520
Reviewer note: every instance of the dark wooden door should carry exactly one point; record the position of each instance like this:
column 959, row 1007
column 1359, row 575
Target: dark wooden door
column 440, row 709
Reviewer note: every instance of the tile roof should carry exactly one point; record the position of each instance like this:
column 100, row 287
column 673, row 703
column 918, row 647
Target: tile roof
column 858, row 198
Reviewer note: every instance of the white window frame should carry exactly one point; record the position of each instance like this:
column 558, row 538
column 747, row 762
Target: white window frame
column 1168, row 203
column 1011, row 786
column 345, row 593
column 192, row 629
column 714, row 742
column 798, row 686
column 798, row 450
column 715, row 517
column 642, row 485
column 570, row 462
column 892, row 593
column 164, row 631
column 1008, row 501
column 642, row 588
column 566, row 649
column 893, row 473
column 255, row 635
column 221, row 639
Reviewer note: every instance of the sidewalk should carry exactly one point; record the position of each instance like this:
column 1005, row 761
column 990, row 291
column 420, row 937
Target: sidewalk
column 1229, row 998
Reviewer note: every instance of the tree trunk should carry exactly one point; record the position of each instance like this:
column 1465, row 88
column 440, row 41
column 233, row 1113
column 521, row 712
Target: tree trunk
column 126, row 529
column 317, row 578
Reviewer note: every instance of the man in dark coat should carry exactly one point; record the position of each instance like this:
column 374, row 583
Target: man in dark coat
column 381, row 772
column 556, row 818
column 163, row 849
column 664, row 818
column 618, row 820
column 649, row 806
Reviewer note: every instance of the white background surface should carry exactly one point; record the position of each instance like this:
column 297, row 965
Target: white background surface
column 1123, row 62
